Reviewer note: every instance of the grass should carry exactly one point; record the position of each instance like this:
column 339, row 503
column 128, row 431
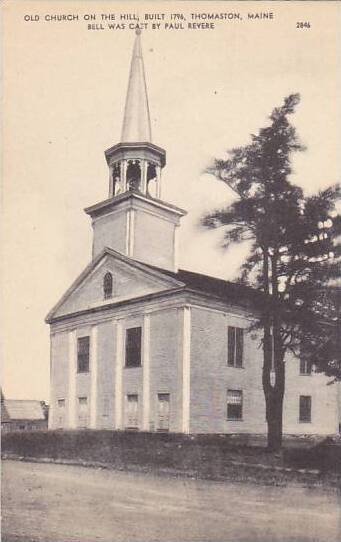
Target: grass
column 200, row 456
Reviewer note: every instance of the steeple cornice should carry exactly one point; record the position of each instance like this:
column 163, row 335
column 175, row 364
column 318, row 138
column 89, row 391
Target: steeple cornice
column 111, row 204
column 133, row 149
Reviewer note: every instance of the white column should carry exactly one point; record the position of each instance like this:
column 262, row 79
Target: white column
column 176, row 248
column 186, row 373
column 111, row 182
column 119, row 183
column 144, row 167
column 158, row 183
column 124, row 165
column 72, row 378
column 53, row 405
column 127, row 232
column 118, row 376
column 93, row 375
column 146, row 372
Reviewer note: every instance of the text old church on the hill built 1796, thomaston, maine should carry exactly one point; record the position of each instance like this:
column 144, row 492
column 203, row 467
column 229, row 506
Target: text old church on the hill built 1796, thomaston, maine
column 137, row 343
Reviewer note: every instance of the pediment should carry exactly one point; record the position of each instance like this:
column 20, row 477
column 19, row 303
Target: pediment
column 131, row 280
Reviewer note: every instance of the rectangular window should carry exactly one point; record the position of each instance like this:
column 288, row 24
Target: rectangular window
column 305, row 367
column 235, row 345
column 132, row 411
column 61, row 403
column 305, row 408
column 234, row 404
column 83, row 354
column 133, row 347
column 83, row 401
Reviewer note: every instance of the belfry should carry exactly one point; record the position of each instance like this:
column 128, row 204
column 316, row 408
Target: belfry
column 134, row 220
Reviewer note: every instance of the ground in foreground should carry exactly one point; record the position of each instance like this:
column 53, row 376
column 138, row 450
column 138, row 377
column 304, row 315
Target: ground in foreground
column 59, row 503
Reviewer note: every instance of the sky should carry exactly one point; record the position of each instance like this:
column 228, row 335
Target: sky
column 64, row 88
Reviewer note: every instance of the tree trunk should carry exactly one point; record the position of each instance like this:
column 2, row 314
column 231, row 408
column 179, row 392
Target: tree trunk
column 273, row 361
column 274, row 418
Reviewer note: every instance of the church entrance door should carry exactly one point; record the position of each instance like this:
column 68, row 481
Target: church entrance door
column 131, row 418
column 163, row 411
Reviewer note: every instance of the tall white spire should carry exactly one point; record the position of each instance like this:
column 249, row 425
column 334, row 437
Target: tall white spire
column 136, row 121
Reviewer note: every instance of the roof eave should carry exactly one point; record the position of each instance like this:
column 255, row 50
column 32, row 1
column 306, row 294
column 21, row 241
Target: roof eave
column 117, row 304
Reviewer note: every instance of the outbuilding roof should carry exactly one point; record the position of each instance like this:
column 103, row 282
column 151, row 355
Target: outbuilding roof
column 16, row 409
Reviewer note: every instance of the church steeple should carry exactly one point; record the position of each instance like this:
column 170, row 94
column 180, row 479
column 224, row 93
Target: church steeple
column 135, row 163
column 134, row 220
column 136, row 121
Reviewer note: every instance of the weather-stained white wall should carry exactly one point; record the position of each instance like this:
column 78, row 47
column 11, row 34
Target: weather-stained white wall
column 324, row 407
column 110, row 231
column 166, row 365
column 211, row 378
column 108, row 382
column 154, row 240
column 59, row 363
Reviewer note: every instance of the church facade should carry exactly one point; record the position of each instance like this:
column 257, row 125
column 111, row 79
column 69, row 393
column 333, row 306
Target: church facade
column 137, row 343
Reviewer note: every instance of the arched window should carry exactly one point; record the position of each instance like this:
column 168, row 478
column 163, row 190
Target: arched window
column 151, row 180
column 133, row 175
column 116, row 176
column 107, row 285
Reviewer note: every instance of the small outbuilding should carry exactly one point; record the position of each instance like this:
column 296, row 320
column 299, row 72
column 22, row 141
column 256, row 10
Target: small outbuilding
column 23, row 415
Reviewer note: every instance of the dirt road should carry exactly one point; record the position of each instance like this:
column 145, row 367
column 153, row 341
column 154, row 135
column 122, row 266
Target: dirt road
column 57, row 503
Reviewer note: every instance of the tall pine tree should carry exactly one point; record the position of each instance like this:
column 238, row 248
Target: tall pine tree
column 291, row 257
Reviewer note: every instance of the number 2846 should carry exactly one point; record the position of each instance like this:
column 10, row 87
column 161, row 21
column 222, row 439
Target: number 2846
column 305, row 24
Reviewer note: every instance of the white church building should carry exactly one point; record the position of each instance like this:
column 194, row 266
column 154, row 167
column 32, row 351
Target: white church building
column 137, row 343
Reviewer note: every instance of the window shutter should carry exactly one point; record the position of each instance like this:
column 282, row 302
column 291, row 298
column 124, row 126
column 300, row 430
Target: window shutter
column 239, row 347
column 231, row 338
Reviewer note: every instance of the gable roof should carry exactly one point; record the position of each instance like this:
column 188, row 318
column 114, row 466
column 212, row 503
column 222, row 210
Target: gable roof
column 16, row 409
column 169, row 281
column 225, row 290
column 220, row 289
